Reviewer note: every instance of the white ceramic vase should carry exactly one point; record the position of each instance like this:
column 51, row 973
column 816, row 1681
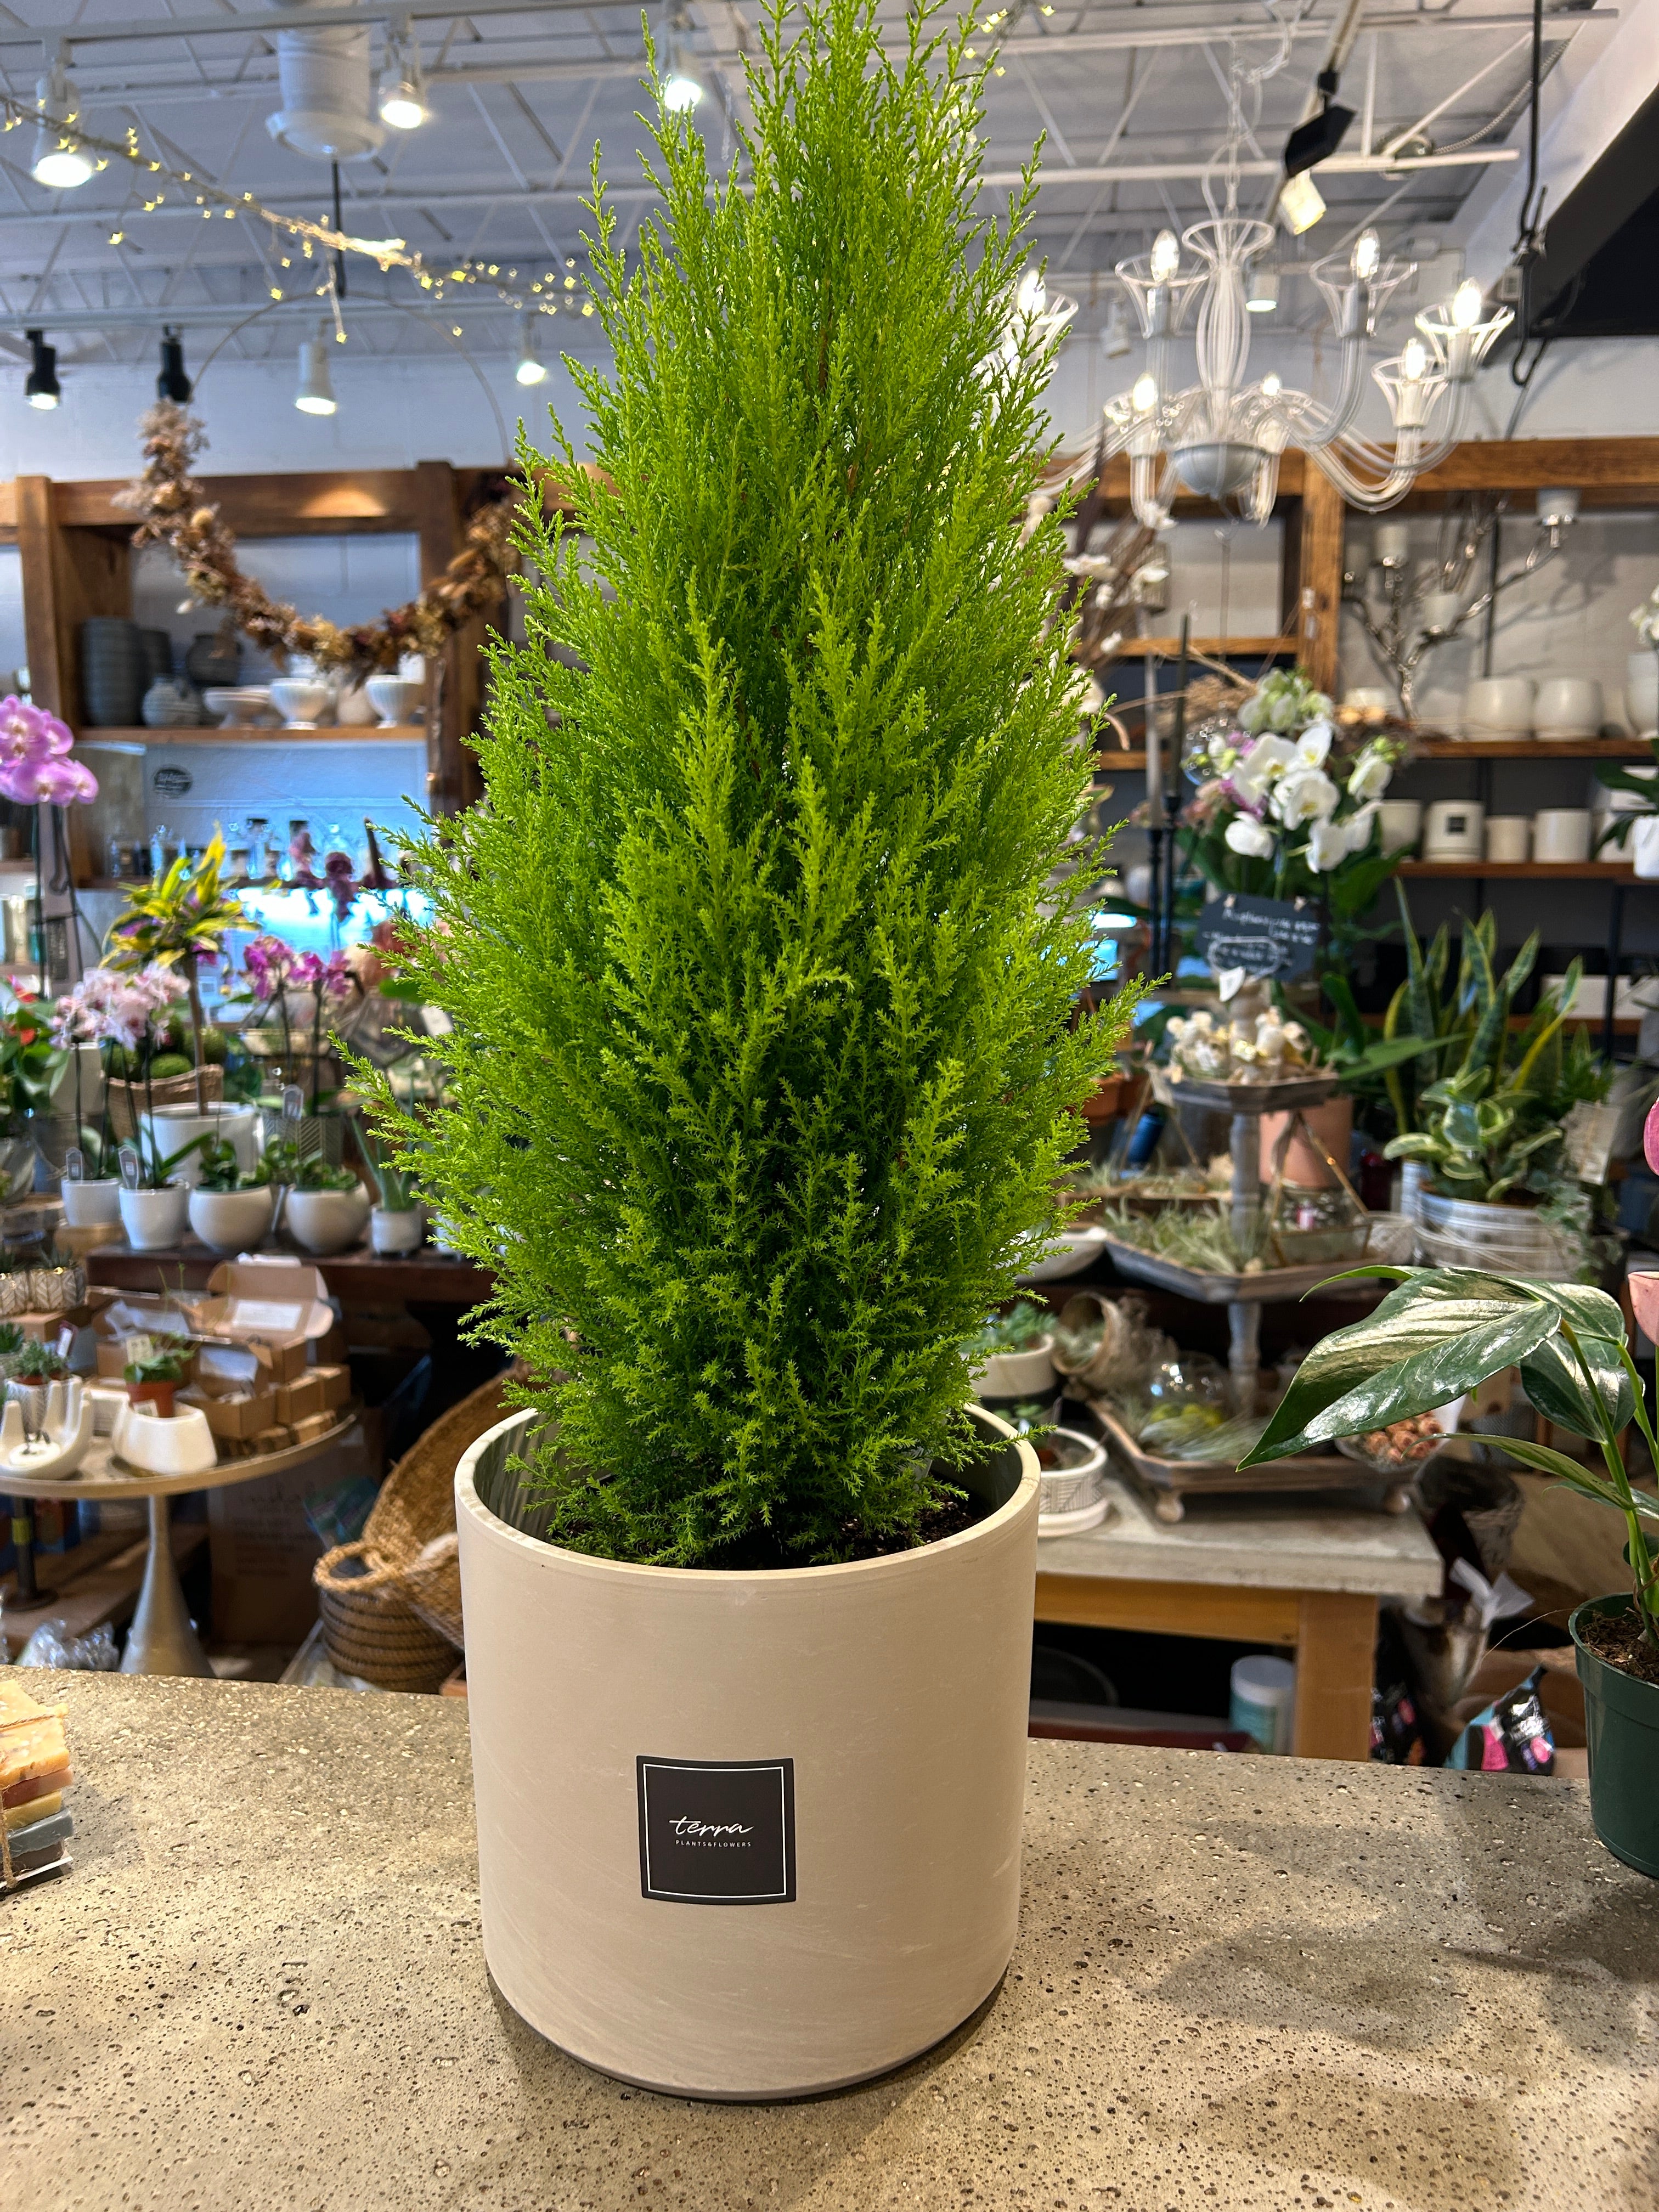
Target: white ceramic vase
column 230, row 1221
column 326, row 1220
column 94, row 1203
column 834, row 1755
column 399, row 1229
column 154, row 1219
column 1642, row 691
column 1644, row 846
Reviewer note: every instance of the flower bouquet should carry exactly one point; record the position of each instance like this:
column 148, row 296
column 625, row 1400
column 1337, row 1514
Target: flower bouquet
column 1287, row 803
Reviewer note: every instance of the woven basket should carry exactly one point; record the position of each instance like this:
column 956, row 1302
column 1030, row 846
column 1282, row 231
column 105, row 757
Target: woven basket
column 391, row 1603
column 127, row 1101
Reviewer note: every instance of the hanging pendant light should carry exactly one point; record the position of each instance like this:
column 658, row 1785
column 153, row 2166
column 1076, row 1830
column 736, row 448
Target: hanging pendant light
column 682, row 87
column 60, row 162
column 530, row 368
column 316, row 393
column 402, row 95
column 172, row 383
column 40, row 386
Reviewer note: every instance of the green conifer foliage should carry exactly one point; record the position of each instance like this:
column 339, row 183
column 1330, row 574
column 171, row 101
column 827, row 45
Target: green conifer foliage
column 764, row 1052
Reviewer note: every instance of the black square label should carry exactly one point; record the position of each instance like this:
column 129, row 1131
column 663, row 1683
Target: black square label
column 718, row 1832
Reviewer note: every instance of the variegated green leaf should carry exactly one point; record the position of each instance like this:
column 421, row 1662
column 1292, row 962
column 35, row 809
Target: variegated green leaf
column 1555, row 1382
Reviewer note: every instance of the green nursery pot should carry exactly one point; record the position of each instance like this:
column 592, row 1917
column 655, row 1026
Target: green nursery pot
column 1621, row 1726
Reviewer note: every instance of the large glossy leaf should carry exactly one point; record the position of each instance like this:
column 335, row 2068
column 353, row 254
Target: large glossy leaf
column 1554, row 1381
column 1586, row 1481
column 1411, row 1354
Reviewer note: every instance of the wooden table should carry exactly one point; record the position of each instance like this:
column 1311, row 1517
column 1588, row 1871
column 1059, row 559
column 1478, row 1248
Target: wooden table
column 1284, row 1571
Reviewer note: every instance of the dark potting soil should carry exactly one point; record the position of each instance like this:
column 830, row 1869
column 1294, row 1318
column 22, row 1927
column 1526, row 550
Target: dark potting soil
column 762, row 1553
column 1617, row 1638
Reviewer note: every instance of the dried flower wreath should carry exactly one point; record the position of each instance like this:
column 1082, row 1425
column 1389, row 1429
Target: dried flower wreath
column 173, row 510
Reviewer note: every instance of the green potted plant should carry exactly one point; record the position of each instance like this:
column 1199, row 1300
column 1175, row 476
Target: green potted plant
column 326, row 1208
column 395, row 1223
column 230, row 1207
column 29, row 1066
column 152, row 1382
column 30, row 1368
column 764, row 1051
column 1440, row 1332
column 1012, row 1354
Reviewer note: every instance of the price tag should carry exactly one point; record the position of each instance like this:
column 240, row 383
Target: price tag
column 66, row 1341
column 75, row 1164
column 294, row 1104
column 137, row 1349
column 130, row 1170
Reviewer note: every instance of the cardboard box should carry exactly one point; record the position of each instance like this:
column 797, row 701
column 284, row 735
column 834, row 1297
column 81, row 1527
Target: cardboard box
column 136, row 1313
column 336, row 1385
column 310, row 1426
column 280, row 1305
column 297, row 1400
column 233, row 1412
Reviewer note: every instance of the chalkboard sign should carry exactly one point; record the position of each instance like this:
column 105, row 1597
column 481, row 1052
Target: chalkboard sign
column 1262, row 936
column 718, row 1832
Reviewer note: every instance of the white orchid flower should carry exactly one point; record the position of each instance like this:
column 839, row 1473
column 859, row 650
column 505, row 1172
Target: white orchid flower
column 1314, row 742
column 1327, row 846
column 1268, row 758
column 1356, row 830
column 1243, row 834
column 1373, row 772
column 1304, row 794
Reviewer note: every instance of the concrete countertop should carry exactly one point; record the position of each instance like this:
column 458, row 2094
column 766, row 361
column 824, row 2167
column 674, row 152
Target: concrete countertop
column 1286, row 1542
column 1245, row 1983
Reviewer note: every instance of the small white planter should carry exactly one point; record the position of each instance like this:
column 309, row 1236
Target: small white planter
column 182, row 1443
column 92, row 1204
column 169, row 1129
column 154, row 1219
column 848, row 1743
column 232, row 1220
column 1644, row 846
column 1017, row 1374
column 326, row 1220
column 1073, row 1496
column 1642, row 691
column 402, row 1229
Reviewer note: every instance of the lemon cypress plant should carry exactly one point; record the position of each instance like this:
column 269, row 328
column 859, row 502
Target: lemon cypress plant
column 764, row 1047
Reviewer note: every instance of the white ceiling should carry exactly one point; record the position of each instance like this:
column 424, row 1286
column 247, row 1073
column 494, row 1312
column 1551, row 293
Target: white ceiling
column 1131, row 98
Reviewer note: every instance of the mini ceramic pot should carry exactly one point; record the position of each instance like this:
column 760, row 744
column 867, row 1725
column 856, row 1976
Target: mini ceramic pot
column 1452, row 830
column 94, row 1203
column 1509, row 836
column 326, row 1220
column 399, row 1229
column 154, row 1219
column 231, row 1221
column 1561, row 835
column 1399, row 823
column 1568, row 707
column 1017, row 1374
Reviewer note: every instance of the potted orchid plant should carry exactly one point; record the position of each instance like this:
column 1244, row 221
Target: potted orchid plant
column 37, row 771
column 295, row 1001
column 1287, row 804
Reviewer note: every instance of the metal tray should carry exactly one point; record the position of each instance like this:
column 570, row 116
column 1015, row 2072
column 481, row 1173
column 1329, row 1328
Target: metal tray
column 1171, row 1480
column 1281, row 1097
column 1217, row 1290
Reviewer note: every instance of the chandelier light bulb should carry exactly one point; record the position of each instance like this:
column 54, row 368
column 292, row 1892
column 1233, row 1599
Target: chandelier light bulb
column 1262, row 290
column 1367, row 256
column 1272, row 385
column 60, row 162
column 1415, row 360
column 1467, row 303
column 682, row 87
column 1032, row 296
column 401, row 98
column 1144, row 397
column 1166, row 257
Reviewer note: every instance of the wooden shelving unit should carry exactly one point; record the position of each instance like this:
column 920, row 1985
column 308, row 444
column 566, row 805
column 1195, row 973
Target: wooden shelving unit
column 1560, row 872
column 1217, row 649
column 413, row 733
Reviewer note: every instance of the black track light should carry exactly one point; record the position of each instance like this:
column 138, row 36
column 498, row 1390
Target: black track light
column 173, row 384
column 1317, row 140
column 40, row 386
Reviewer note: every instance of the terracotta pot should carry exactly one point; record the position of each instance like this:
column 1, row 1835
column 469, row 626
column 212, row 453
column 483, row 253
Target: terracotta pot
column 158, row 1396
column 1332, row 1124
column 835, row 1755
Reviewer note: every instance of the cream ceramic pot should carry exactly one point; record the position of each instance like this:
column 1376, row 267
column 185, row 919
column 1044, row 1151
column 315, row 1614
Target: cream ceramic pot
column 747, row 1835
column 1017, row 1374
column 232, row 1220
column 326, row 1220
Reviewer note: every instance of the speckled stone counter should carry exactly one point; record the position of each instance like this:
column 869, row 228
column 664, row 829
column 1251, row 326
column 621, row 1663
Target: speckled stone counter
column 1240, row 1982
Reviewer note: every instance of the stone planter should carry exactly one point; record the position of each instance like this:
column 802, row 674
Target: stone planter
column 326, row 1221
column 1621, row 1726
column 154, row 1219
column 232, row 1221
column 834, row 1756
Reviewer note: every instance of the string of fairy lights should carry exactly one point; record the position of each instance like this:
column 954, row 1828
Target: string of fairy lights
column 67, row 154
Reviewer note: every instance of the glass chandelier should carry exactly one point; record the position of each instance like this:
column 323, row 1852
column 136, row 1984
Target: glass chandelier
column 1222, row 437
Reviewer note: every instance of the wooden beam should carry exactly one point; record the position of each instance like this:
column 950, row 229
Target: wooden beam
column 455, row 690
column 1319, row 577
column 1233, row 1613
column 310, row 503
column 1336, row 1659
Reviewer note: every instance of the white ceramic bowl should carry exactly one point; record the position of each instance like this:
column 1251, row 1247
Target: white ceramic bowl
column 301, row 700
column 240, row 707
column 394, row 699
column 326, row 1220
column 231, row 1221
column 1499, row 705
